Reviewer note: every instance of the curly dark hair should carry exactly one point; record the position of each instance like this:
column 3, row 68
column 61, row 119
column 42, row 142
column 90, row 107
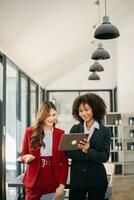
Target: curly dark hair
column 94, row 101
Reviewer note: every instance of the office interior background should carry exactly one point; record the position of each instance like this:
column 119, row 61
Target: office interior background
column 45, row 54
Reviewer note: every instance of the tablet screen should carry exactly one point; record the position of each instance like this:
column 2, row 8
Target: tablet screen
column 70, row 141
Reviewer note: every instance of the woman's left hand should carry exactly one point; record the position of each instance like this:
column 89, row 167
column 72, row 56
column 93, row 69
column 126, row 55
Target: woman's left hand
column 84, row 145
column 59, row 191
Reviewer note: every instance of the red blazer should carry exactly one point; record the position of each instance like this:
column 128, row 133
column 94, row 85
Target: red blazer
column 60, row 160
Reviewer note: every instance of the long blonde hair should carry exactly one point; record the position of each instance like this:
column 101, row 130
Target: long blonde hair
column 42, row 114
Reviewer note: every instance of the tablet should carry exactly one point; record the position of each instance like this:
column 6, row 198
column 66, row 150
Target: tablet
column 71, row 141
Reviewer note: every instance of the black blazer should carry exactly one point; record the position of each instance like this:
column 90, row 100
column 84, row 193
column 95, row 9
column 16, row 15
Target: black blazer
column 87, row 170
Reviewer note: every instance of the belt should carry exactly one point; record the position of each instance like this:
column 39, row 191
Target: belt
column 46, row 162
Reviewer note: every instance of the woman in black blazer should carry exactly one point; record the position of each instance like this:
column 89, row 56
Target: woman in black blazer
column 88, row 174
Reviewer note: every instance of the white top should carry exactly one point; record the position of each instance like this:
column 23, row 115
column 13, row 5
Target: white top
column 91, row 130
column 48, row 140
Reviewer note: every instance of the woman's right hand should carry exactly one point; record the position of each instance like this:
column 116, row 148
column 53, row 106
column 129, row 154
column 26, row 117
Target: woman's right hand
column 59, row 192
column 84, row 145
column 27, row 158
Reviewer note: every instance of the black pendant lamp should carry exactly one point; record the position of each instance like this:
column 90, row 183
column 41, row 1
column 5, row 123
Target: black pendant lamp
column 96, row 67
column 94, row 76
column 106, row 30
column 100, row 53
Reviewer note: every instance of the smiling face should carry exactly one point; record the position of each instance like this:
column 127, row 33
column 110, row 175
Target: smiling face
column 86, row 113
column 51, row 119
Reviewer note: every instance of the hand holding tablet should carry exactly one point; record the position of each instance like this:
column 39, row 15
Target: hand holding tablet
column 71, row 141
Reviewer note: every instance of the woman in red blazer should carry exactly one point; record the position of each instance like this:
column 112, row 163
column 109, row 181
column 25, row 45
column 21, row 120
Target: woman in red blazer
column 47, row 168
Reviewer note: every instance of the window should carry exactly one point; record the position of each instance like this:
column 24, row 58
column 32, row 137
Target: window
column 33, row 101
column 11, row 122
column 24, row 107
column 41, row 95
column 64, row 100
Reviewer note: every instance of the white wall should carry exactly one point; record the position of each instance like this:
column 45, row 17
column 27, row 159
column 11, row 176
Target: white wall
column 77, row 78
column 125, row 67
column 119, row 70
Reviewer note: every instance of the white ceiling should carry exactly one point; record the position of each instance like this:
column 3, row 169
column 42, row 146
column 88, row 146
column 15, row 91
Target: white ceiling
column 47, row 38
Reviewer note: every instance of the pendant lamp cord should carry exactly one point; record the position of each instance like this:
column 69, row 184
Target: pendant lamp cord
column 105, row 9
column 99, row 18
column 99, row 13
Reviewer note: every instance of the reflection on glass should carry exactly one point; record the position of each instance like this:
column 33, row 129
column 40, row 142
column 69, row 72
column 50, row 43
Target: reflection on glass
column 11, row 121
column 41, row 95
column 33, row 101
column 24, row 108
column 1, row 82
column 63, row 102
column 105, row 95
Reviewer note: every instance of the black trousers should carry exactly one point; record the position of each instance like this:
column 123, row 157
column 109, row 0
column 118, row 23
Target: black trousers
column 87, row 193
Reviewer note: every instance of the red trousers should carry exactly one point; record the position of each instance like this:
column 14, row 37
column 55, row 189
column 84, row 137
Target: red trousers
column 46, row 181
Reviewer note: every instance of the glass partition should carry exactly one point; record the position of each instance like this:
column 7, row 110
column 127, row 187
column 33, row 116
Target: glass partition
column 41, row 95
column 64, row 100
column 11, row 124
column 105, row 95
column 24, row 107
column 20, row 103
column 3, row 182
column 33, row 101
column 1, row 82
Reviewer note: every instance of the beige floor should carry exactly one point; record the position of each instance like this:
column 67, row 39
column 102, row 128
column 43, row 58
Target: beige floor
column 123, row 188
